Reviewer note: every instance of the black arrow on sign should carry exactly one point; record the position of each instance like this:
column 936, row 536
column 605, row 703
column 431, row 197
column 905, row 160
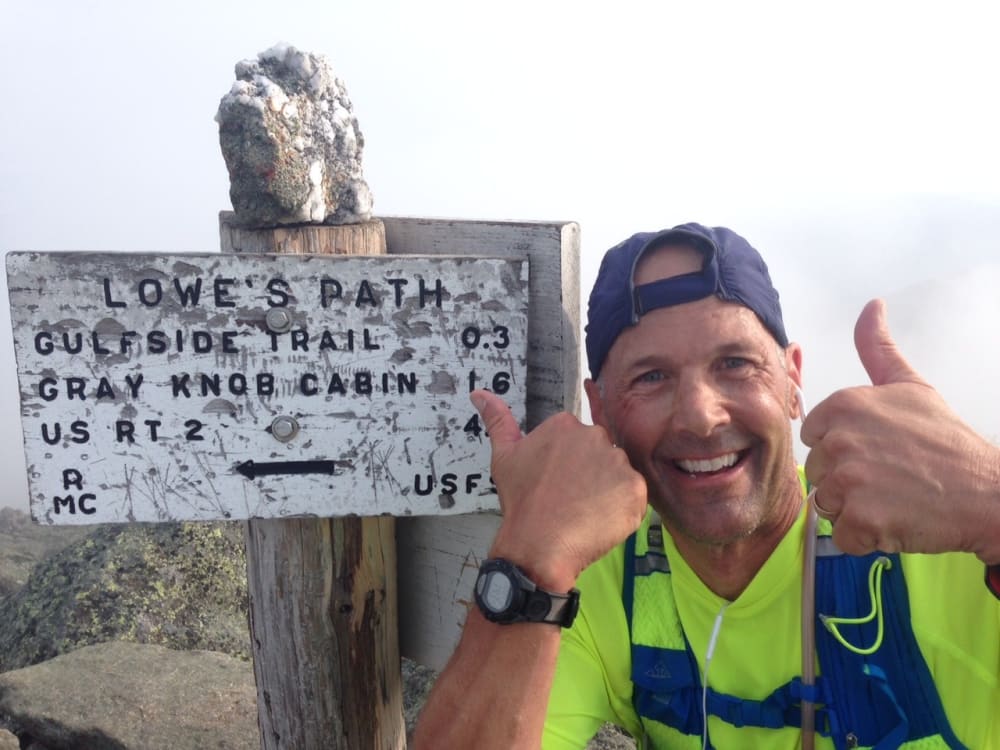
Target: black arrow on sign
column 254, row 469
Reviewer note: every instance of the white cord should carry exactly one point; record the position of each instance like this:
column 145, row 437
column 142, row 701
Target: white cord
column 713, row 639
column 704, row 682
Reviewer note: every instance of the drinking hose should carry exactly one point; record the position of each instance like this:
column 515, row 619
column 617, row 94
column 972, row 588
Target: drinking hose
column 808, row 610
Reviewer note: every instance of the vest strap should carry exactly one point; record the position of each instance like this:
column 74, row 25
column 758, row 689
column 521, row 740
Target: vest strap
column 668, row 689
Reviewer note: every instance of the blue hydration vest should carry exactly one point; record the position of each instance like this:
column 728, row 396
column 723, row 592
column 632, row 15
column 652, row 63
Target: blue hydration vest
column 883, row 700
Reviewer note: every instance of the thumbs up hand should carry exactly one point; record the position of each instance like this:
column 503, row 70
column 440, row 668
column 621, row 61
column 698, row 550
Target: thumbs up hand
column 568, row 495
column 896, row 469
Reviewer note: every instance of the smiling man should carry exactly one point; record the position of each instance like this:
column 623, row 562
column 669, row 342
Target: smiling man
column 704, row 418
column 677, row 525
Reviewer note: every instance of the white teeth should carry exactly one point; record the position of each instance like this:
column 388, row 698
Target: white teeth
column 701, row 466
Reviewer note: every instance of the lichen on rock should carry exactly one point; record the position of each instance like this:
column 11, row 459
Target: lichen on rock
column 291, row 143
column 180, row 585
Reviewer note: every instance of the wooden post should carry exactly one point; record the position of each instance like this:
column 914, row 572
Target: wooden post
column 323, row 611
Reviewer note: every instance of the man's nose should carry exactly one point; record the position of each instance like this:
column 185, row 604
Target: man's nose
column 698, row 406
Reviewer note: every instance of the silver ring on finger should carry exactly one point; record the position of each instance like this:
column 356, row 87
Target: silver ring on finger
column 829, row 515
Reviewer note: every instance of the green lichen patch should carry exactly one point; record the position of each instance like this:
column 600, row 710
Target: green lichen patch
column 180, row 585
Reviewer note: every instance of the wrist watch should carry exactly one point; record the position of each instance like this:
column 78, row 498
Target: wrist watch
column 506, row 595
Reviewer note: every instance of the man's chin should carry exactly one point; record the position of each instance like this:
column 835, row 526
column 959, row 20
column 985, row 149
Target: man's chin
column 715, row 527
column 715, row 535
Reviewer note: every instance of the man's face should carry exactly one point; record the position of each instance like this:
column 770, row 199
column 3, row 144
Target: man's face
column 700, row 395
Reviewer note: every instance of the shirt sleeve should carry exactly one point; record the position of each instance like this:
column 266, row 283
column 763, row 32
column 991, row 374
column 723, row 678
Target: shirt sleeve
column 957, row 625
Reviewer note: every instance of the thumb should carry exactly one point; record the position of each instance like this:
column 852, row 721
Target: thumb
column 497, row 418
column 877, row 351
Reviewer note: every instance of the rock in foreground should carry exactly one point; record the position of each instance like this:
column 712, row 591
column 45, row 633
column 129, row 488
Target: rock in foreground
column 118, row 696
column 177, row 585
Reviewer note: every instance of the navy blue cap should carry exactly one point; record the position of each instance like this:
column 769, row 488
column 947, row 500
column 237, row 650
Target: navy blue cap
column 732, row 270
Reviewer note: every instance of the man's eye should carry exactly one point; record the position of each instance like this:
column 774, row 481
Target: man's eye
column 653, row 376
column 734, row 363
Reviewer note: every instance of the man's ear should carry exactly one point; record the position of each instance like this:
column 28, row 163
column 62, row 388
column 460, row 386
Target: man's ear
column 793, row 366
column 596, row 403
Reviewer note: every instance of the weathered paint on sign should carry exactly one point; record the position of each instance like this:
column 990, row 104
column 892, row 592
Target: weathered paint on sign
column 197, row 387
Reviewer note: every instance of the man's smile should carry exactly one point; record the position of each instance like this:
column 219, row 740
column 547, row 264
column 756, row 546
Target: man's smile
column 719, row 465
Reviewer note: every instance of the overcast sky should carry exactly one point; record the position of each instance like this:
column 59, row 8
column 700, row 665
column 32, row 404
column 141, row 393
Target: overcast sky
column 854, row 144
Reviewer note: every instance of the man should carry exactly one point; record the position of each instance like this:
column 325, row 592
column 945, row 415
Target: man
column 695, row 610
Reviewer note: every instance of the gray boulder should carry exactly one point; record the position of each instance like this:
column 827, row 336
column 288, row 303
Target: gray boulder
column 177, row 585
column 126, row 696
column 291, row 143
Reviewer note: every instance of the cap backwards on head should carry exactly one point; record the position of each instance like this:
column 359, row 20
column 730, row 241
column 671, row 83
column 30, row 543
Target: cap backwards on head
column 732, row 271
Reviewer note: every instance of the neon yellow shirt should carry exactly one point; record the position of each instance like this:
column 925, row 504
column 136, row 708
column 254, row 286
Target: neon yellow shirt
column 955, row 619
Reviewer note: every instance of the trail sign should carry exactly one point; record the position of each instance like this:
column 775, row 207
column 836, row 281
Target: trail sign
column 200, row 387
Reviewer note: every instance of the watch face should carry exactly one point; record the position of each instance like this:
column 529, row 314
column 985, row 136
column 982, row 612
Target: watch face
column 496, row 591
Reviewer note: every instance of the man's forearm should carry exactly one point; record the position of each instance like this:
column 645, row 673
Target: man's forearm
column 494, row 691
column 568, row 496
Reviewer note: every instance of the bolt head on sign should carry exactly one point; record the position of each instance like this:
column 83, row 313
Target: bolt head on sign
column 291, row 143
column 225, row 386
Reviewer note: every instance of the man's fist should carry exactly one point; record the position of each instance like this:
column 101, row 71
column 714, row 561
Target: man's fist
column 568, row 495
column 895, row 468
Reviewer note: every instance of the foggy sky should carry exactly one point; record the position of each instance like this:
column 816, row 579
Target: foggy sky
column 860, row 175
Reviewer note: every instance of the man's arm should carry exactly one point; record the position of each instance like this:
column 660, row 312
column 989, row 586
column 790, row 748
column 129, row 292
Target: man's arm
column 495, row 689
column 568, row 496
column 896, row 469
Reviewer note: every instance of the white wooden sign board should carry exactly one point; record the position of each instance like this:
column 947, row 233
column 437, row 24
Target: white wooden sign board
column 225, row 386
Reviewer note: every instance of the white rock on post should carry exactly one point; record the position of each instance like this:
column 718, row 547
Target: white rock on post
column 291, row 143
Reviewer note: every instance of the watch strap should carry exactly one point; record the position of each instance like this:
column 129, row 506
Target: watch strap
column 562, row 608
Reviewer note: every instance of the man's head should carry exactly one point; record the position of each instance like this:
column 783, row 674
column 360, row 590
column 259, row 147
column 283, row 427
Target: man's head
column 694, row 376
column 731, row 270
